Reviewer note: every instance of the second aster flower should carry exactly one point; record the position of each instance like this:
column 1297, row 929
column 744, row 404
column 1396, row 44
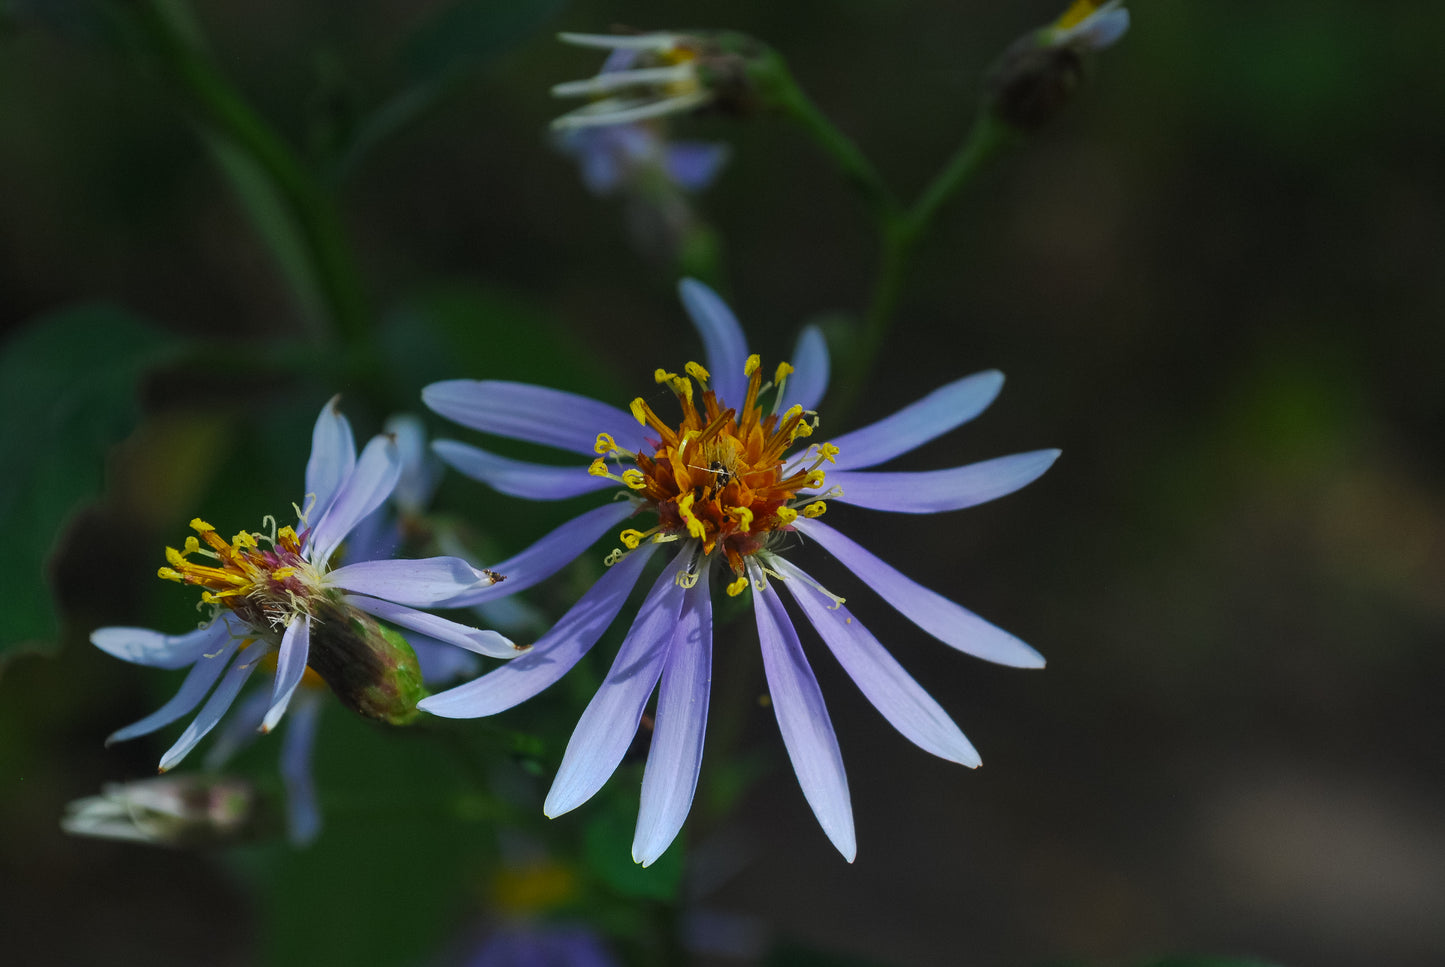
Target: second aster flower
column 727, row 488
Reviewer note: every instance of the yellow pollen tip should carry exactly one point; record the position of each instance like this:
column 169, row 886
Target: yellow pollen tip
column 287, row 535
column 815, row 509
column 783, row 372
column 638, row 413
column 631, row 538
column 802, row 430
column 282, row 573
column 200, row 526
column 697, row 372
column 605, row 444
column 745, row 519
column 192, row 545
column 752, row 365
column 815, row 479
column 827, row 451
column 661, row 376
column 787, row 515
column 598, row 468
column 175, row 557
column 737, row 587
column 634, row 479
column 170, row 575
column 794, row 411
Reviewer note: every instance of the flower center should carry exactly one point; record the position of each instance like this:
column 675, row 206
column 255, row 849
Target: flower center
column 719, row 477
column 265, row 586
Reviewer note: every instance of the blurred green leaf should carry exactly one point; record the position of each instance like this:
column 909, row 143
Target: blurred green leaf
column 67, row 394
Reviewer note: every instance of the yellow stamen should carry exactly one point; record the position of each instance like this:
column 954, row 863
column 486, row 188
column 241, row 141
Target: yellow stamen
column 752, row 365
column 737, row 587
column 787, row 515
column 815, row 509
column 634, row 479
column 697, row 372
column 605, row 444
column 1078, row 11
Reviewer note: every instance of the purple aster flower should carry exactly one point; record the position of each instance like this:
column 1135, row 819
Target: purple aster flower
column 727, row 489
column 277, row 604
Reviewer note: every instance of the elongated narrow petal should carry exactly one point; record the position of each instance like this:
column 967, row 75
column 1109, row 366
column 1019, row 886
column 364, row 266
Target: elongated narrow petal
column 536, row 414
column 489, row 643
column 617, row 110
column 809, row 380
column 655, row 41
column 440, row 662
column 932, row 491
column 241, row 725
column 609, row 723
column 303, row 818
column 610, row 81
column 333, row 455
column 146, row 647
column 422, row 583
column 948, row 622
column 803, row 719
column 549, row 554
column 290, row 666
column 670, row 778
column 369, row 484
column 420, row 471
column 552, row 656
column 216, row 705
column 883, row 681
column 203, row 674
column 940, row 411
column 519, row 478
column 724, row 346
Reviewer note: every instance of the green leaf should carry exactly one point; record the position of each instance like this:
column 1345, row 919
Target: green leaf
column 67, row 394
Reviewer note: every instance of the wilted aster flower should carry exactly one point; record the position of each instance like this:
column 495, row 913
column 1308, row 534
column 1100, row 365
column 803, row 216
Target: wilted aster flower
column 620, row 157
column 657, row 74
column 274, row 594
column 165, row 811
column 729, row 487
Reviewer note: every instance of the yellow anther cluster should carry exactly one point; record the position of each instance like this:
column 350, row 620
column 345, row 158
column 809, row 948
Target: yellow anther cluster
column 634, row 479
column 605, row 444
column 598, row 468
column 737, row 587
column 784, row 370
column 697, row 372
column 815, row 509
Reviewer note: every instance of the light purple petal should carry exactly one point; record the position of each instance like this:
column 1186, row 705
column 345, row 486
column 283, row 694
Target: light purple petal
column 146, row 647
column 669, row 781
column 439, row 661
column 239, row 729
column 693, row 165
column 809, row 380
column 203, row 674
column 948, row 622
column 519, row 478
column 940, row 411
column 489, row 643
column 290, row 666
column 932, row 491
column 370, row 483
column 422, row 583
column 724, row 345
column 216, row 705
column 303, row 818
column 333, row 455
column 536, row 414
column 803, row 720
column 549, row 554
column 883, row 681
column 552, row 656
column 609, row 723
column 420, row 471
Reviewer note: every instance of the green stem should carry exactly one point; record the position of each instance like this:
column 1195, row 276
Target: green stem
column 221, row 107
column 785, row 94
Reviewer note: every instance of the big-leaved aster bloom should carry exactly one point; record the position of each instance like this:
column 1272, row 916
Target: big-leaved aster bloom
column 276, row 603
column 727, row 489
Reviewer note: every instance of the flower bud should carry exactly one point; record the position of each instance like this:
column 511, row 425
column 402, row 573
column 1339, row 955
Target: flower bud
column 370, row 667
column 172, row 810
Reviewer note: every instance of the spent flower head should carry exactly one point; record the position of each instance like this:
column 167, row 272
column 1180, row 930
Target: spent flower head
column 728, row 487
column 1038, row 74
column 166, row 811
column 653, row 75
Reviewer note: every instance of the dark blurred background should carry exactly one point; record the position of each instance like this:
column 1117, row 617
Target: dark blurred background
column 1215, row 282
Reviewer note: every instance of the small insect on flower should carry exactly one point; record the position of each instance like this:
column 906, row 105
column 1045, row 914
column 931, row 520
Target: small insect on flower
column 275, row 602
column 727, row 487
